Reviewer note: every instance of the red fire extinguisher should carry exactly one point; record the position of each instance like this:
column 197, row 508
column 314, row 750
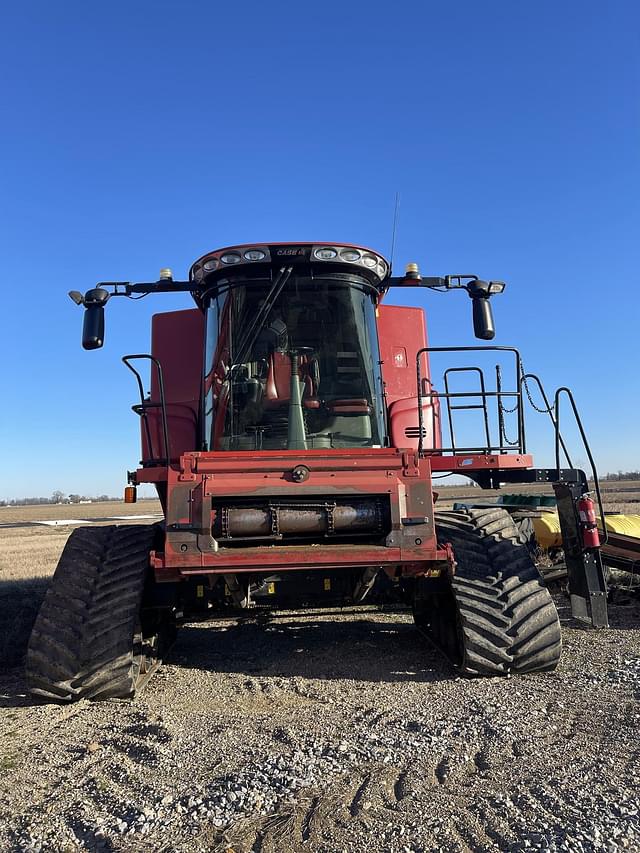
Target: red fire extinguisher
column 587, row 513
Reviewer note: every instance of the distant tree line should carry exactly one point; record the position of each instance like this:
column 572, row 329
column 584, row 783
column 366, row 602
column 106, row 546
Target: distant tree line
column 623, row 475
column 57, row 497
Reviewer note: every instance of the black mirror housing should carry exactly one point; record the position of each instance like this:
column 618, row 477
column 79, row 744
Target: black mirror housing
column 93, row 325
column 483, row 325
column 480, row 292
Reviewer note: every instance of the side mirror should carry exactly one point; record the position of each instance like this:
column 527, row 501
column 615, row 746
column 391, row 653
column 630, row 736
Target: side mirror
column 480, row 292
column 93, row 325
column 483, row 326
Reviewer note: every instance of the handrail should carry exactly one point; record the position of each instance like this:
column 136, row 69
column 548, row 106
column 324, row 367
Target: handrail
column 482, row 394
column 522, row 448
column 144, row 405
column 523, row 381
column 564, row 390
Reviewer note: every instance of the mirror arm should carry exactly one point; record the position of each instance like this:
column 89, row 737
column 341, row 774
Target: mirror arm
column 447, row 282
column 417, row 281
column 97, row 297
column 162, row 286
column 479, row 291
column 127, row 288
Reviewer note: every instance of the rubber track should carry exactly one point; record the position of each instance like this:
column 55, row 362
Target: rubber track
column 81, row 646
column 507, row 619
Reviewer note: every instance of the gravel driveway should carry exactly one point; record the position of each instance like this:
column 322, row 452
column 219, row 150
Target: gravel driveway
column 334, row 732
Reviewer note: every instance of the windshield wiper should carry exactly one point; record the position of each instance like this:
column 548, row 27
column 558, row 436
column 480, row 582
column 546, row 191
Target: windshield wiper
column 258, row 322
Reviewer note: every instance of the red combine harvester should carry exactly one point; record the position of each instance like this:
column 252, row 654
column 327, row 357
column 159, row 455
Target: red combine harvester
column 292, row 432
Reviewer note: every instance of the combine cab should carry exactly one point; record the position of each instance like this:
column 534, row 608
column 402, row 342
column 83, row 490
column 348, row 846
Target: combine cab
column 292, row 431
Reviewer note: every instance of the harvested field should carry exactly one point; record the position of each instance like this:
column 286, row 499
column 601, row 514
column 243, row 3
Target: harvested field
column 28, row 557
column 623, row 497
column 329, row 732
column 48, row 512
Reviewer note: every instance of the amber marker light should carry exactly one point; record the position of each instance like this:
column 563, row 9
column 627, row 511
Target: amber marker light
column 412, row 271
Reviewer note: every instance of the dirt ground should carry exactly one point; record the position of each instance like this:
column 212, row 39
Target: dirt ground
column 329, row 732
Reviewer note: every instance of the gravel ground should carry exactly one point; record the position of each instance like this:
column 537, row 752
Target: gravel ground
column 334, row 732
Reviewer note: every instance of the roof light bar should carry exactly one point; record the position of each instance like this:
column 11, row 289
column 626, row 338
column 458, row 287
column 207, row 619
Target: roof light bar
column 296, row 253
column 353, row 255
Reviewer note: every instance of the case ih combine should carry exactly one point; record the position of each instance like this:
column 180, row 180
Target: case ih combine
column 292, row 431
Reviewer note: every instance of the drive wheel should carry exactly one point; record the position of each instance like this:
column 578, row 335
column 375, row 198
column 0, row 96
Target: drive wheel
column 495, row 616
column 92, row 638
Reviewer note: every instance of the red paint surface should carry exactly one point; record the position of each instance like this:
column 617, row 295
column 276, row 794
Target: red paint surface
column 402, row 332
column 177, row 342
column 396, row 476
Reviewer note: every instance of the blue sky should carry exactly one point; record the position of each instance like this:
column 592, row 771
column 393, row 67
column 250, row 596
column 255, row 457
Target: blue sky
column 140, row 135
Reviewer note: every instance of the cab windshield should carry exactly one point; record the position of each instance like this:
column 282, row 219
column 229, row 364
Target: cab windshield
column 292, row 362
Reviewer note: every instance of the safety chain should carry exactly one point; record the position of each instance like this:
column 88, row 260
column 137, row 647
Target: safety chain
column 502, row 411
column 547, row 410
column 504, row 433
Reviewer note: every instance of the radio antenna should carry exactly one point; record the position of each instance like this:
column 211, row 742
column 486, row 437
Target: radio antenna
column 395, row 227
